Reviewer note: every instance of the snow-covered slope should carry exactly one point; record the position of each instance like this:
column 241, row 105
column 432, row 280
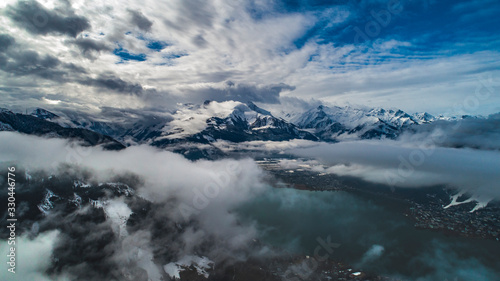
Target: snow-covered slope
column 231, row 120
column 40, row 123
column 336, row 123
column 423, row 118
column 135, row 131
column 44, row 114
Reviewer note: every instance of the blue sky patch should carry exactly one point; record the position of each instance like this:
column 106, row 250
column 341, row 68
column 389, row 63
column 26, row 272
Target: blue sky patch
column 156, row 45
column 152, row 44
column 434, row 27
column 172, row 56
column 125, row 55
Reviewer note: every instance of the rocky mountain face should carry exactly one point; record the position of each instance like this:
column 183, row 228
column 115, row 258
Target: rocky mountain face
column 338, row 123
column 137, row 131
column 192, row 129
column 38, row 124
column 229, row 121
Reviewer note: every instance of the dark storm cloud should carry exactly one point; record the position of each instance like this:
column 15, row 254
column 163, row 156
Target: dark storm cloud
column 21, row 62
column 114, row 83
column 243, row 93
column 37, row 20
column 87, row 46
column 140, row 20
column 28, row 95
column 5, row 42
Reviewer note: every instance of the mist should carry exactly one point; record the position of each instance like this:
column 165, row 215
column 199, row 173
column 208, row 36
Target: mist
column 411, row 165
column 371, row 234
column 471, row 132
column 186, row 209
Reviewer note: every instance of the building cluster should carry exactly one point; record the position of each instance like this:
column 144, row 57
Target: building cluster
column 483, row 223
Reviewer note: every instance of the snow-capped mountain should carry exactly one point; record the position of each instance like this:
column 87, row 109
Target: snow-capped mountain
column 54, row 118
column 426, row 118
column 76, row 122
column 138, row 131
column 231, row 121
column 337, row 123
column 423, row 118
column 40, row 123
column 193, row 129
column 44, row 114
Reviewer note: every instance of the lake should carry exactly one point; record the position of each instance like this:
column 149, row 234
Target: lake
column 373, row 233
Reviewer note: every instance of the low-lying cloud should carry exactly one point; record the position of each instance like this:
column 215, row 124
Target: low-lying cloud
column 402, row 164
column 373, row 253
column 189, row 209
column 479, row 133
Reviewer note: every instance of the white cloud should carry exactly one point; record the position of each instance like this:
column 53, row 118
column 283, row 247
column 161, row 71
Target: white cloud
column 373, row 253
column 32, row 258
column 411, row 165
column 203, row 193
column 221, row 41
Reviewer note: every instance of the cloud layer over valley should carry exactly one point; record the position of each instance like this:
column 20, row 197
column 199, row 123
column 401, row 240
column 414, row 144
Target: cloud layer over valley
column 180, row 208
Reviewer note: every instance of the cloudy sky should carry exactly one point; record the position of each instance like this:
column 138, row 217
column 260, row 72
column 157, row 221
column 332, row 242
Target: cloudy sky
column 89, row 55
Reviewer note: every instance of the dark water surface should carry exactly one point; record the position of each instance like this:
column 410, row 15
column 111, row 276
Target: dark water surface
column 373, row 233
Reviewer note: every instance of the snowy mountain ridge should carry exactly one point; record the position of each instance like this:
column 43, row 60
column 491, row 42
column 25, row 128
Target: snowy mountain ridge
column 335, row 123
column 236, row 121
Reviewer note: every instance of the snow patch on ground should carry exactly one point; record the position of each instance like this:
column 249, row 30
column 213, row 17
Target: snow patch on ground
column 46, row 203
column 80, row 184
column 119, row 187
column 480, row 202
column 97, row 203
column 77, row 200
column 201, row 264
column 118, row 212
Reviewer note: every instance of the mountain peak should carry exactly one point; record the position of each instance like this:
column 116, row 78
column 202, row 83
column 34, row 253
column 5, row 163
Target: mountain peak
column 257, row 109
column 423, row 117
column 5, row 110
column 43, row 113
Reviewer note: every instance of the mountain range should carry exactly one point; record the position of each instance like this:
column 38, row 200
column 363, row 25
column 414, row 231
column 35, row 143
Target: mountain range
column 213, row 121
column 39, row 123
